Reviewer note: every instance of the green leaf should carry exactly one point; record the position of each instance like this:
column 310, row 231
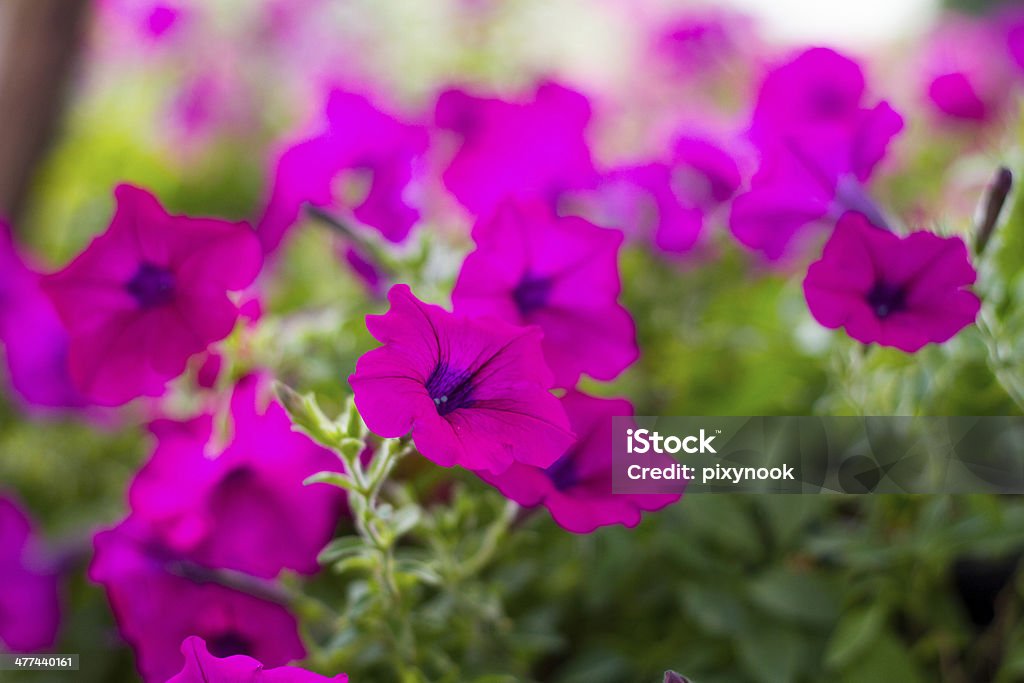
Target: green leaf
column 886, row 660
column 800, row 597
column 352, row 422
column 354, row 563
column 774, row 655
column 341, row 548
column 405, row 520
column 306, row 415
column 420, row 570
column 854, row 634
column 715, row 610
column 334, row 478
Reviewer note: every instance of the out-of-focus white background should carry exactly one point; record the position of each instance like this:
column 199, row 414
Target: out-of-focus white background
column 845, row 23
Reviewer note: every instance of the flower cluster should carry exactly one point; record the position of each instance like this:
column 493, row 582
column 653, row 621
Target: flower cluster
column 209, row 525
column 541, row 226
column 535, row 306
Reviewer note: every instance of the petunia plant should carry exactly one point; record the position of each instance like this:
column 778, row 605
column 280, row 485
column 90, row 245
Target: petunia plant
column 327, row 390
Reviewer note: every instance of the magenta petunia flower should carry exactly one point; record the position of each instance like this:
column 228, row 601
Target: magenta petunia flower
column 203, row 667
column 816, row 87
column 577, row 488
column 373, row 156
column 29, row 596
column 1013, row 37
column 561, row 274
column 667, row 203
column 31, row 335
column 641, row 201
column 474, row 392
column 703, row 40
column 819, row 146
column 895, row 291
column 148, row 294
column 159, row 599
column 966, row 77
column 242, row 507
column 534, row 148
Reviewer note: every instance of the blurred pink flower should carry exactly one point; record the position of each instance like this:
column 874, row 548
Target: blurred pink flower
column 818, row 145
column 816, row 87
column 29, row 599
column 514, row 149
column 203, row 667
column 210, row 103
column 667, row 202
column 159, row 599
column 642, row 201
column 32, row 336
column 147, row 20
column 531, row 267
column 364, row 267
column 895, row 291
column 243, row 507
column 704, row 39
column 148, row 294
column 967, row 76
column 577, row 488
column 374, row 153
column 474, row 392
column 1013, row 24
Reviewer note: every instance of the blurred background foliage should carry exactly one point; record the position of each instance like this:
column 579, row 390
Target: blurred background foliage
column 767, row 589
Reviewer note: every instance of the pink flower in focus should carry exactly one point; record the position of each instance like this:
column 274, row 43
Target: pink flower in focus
column 535, row 148
column 474, row 392
column 819, row 147
column 895, row 291
column 561, row 274
column 203, row 667
column 375, row 154
column 159, row 599
column 29, row 600
column 148, row 294
column 577, row 488
column 32, row 336
column 244, row 507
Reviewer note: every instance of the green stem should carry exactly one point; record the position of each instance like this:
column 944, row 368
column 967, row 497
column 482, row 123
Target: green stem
column 271, row 591
column 492, row 540
column 368, row 490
